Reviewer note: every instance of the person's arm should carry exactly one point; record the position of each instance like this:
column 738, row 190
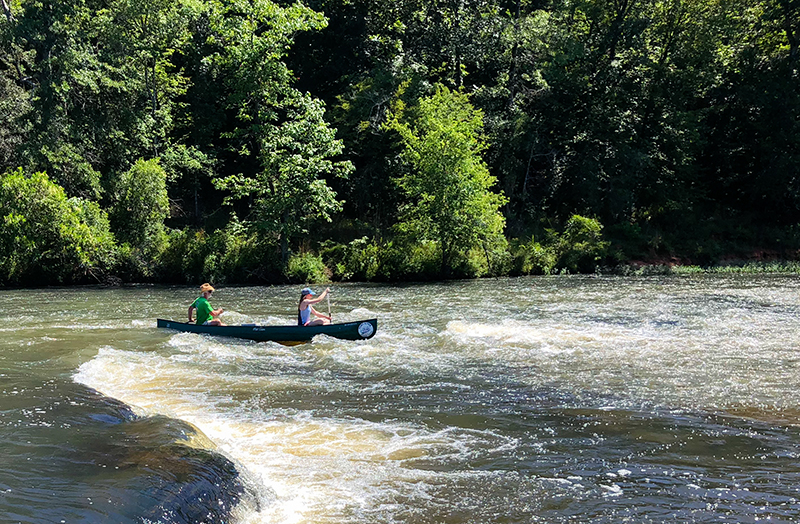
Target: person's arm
column 320, row 315
column 217, row 312
column 191, row 310
column 320, row 298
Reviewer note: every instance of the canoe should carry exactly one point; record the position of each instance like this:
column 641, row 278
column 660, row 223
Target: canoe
column 289, row 335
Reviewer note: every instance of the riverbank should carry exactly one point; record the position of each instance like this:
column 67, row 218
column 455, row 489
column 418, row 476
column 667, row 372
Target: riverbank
column 635, row 268
column 728, row 266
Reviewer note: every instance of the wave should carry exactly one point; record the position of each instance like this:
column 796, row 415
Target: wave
column 310, row 467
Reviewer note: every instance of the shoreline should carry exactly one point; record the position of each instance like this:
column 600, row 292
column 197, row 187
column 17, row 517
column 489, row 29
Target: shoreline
column 635, row 268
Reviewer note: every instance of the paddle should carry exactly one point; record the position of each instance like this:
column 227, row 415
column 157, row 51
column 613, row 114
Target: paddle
column 329, row 306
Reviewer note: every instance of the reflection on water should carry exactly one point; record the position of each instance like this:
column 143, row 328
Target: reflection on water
column 515, row 400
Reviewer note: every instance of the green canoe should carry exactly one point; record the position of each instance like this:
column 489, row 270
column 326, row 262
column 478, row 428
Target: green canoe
column 289, row 335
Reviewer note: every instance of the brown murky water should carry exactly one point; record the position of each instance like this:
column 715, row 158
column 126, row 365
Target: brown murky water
column 564, row 399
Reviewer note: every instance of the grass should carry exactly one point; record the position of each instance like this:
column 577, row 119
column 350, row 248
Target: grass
column 747, row 268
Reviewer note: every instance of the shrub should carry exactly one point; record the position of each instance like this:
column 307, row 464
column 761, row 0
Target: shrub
column 248, row 257
column 358, row 260
column 497, row 256
column 402, row 260
column 230, row 255
column 47, row 238
column 581, row 247
column 141, row 206
column 307, row 268
column 486, row 258
column 132, row 266
column 531, row 258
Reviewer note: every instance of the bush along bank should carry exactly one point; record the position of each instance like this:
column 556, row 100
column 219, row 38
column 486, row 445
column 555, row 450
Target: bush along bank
column 50, row 239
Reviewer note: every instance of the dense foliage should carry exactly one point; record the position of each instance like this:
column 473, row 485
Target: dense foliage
column 47, row 237
column 448, row 185
column 261, row 141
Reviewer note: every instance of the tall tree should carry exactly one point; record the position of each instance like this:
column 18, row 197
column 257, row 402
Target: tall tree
column 280, row 133
column 63, row 76
column 753, row 150
column 15, row 85
column 141, row 46
column 103, row 85
column 449, row 186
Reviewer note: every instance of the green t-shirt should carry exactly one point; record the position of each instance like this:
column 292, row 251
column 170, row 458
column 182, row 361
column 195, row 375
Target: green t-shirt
column 204, row 310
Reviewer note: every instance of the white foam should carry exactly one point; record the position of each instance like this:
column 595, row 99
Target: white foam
column 612, row 491
column 318, row 469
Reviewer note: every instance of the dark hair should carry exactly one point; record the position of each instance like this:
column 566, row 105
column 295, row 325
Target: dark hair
column 299, row 318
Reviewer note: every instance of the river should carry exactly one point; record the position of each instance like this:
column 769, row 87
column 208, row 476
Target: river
column 530, row 400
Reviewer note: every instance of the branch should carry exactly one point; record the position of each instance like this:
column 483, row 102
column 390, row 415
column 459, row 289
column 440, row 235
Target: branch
column 7, row 11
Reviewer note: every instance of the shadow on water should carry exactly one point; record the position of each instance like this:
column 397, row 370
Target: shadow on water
column 71, row 454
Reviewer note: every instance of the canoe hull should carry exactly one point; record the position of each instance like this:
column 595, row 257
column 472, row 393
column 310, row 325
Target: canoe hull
column 359, row 330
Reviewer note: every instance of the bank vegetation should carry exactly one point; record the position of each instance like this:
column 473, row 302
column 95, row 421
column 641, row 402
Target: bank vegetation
column 252, row 141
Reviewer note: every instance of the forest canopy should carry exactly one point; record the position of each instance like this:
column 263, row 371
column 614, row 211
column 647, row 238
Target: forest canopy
column 251, row 141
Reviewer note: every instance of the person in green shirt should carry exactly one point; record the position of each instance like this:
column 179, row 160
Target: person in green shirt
column 206, row 315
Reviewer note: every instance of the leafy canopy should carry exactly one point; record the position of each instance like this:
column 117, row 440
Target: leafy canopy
column 47, row 238
column 448, row 183
column 285, row 144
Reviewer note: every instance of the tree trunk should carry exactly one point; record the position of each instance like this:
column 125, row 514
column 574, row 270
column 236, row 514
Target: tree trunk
column 7, row 11
column 512, row 74
column 791, row 21
column 617, row 27
column 284, row 239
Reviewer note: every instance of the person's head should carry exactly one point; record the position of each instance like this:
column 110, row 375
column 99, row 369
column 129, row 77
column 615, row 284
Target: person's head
column 306, row 292
column 206, row 289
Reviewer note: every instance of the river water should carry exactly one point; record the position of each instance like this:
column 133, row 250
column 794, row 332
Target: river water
column 550, row 399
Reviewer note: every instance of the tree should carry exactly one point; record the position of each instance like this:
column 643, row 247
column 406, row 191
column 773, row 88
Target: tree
column 62, row 81
column 47, row 238
column 103, row 84
column 752, row 159
column 448, row 184
column 280, row 133
column 141, row 205
column 141, row 40
column 15, row 107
